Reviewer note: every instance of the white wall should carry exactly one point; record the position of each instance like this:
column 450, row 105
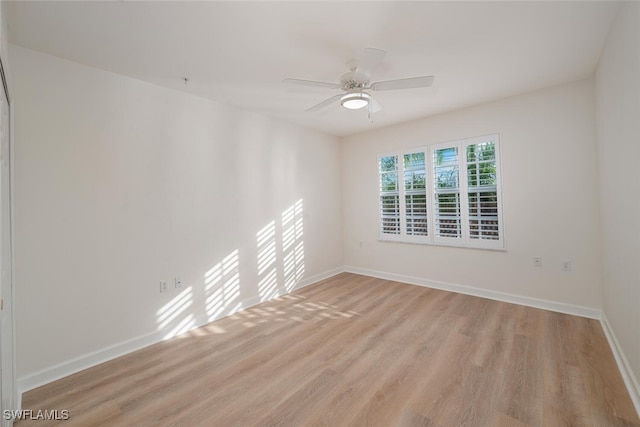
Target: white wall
column 121, row 184
column 618, row 115
column 549, row 178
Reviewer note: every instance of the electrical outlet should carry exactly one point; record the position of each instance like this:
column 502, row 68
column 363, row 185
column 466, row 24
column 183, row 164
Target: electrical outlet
column 566, row 266
column 178, row 283
column 537, row 261
column 163, row 286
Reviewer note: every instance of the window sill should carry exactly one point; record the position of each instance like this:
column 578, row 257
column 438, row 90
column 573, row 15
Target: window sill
column 442, row 245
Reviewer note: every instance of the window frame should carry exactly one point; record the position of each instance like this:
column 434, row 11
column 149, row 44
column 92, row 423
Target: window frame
column 464, row 239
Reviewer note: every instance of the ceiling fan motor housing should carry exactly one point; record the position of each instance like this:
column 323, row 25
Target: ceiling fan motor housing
column 347, row 83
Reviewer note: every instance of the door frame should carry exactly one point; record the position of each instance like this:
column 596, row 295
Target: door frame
column 16, row 397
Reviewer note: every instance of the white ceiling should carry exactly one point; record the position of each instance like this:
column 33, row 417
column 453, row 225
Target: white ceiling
column 239, row 52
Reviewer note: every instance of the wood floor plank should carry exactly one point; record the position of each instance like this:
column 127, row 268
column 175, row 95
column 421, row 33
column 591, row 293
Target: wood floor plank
column 358, row 351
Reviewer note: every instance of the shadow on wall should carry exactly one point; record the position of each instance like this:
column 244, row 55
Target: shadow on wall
column 279, row 267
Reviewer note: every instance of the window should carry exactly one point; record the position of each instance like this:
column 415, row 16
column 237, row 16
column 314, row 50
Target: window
column 443, row 194
column 415, row 194
column 389, row 196
column 403, row 196
column 446, row 191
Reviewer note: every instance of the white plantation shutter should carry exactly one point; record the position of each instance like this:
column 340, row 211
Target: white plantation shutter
column 446, row 190
column 389, row 196
column 443, row 194
column 415, row 195
column 482, row 191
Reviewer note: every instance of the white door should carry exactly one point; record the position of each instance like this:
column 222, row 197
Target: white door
column 7, row 363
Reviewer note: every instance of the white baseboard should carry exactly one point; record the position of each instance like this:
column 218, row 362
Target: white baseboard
column 304, row 282
column 591, row 313
column 628, row 377
column 319, row 277
column 78, row 364
column 64, row 369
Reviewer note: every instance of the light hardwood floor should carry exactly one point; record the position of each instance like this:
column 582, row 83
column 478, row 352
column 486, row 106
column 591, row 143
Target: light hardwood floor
column 359, row 351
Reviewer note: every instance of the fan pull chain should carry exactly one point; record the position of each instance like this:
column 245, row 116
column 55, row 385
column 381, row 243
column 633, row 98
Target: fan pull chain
column 370, row 111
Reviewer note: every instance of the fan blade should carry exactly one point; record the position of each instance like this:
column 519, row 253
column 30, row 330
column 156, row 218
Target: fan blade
column 370, row 60
column 311, row 83
column 409, row 83
column 324, row 103
column 375, row 105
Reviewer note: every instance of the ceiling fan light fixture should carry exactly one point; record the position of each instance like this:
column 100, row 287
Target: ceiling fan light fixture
column 355, row 101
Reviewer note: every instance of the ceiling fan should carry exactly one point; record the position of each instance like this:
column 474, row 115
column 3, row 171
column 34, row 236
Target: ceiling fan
column 356, row 82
